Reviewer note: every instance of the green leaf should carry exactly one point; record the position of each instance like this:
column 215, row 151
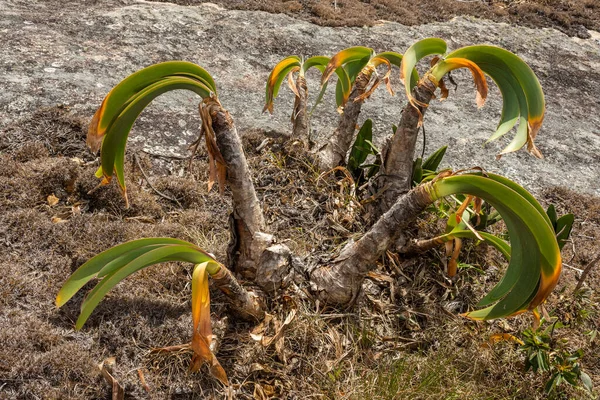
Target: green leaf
column 551, row 211
column 587, row 381
column 495, row 62
column 514, row 106
column 276, row 77
column 319, row 62
column 113, row 145
column 511, row 103
column 343, row 87
column 154, row 255
column 433, row 161
column 92, row 267
column 417, row 175
column 554, row 381
column 523, row 192
column 357, row 54
column 119, row 96
column 576, row 355
column 535, row 257
column 353, row 68
column 115, row 264
column 413, row 55
column 570, row 377
column 542, row 361
column 391, row 56
column 360, row 149
column 564, row 226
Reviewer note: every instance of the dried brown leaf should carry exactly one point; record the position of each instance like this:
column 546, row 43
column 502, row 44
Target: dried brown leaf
column 216, row 163
column 453, row 263
column 501, row 337
column 463, row 207
column 94, row 136
column 259, row 393
column 291, row 82
column 106, row 369
column 478, row 77
column 443, row 90
column 52, row 200
column 143, row 380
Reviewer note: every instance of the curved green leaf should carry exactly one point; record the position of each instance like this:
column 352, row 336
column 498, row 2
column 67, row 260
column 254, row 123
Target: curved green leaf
column 359, row 53
column 511, row 105
column 344, row 85
column 535, row 256
column 504, row 60
column 117, row 263
column 276, row 77
column 413, row 55
column 119, row 96
column 113, row 145
column 319, row 62
column 92, row 267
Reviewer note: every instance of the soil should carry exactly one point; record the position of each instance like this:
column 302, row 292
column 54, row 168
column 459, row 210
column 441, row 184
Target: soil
column 572, row 17
column 407, row 320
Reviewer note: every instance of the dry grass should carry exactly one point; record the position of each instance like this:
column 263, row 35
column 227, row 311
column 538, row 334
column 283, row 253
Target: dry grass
column 403, row 340
column 569, row 16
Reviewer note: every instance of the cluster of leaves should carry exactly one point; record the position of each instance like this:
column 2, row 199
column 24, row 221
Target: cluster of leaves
column 114, row 119
column 346, row 64
column 471, row 208
column 544, row 355
column 117, row 263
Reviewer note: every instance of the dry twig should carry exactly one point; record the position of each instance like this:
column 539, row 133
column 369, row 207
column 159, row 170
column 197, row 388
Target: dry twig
column 158, row 192
column 586, row 272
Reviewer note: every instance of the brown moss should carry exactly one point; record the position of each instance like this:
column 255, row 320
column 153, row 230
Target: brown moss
column 568, row 16
column 402, row 340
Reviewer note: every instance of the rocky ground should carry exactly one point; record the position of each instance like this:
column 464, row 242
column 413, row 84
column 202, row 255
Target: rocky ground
column 59, row 59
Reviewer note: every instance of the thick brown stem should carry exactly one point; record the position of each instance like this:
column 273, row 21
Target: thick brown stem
column 340, row 282
column 245, row 303
column 399, row 152
column 247, row 223
column 334, row 152
column 299, row 116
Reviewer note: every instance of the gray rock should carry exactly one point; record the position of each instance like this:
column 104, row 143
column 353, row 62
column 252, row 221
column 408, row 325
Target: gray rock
column 72, row 54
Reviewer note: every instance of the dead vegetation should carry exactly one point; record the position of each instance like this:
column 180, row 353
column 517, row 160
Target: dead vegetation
column 403, row 340
column 572, row 17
